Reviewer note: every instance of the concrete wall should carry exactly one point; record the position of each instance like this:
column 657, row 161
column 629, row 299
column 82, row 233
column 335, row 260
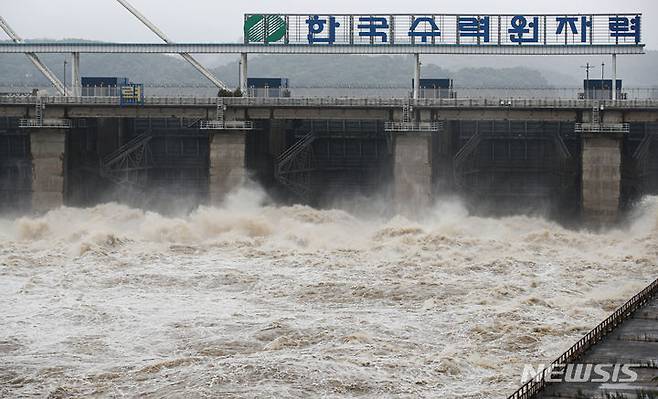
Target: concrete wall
column 412, row 174
column 227, row 163
column 601, row 179
column 48, row 148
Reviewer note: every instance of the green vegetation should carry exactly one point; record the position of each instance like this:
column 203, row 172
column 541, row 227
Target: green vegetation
column 337, row 71
column 308, row 70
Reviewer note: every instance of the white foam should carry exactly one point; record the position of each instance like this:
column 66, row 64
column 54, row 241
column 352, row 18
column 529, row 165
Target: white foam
column 251, row 299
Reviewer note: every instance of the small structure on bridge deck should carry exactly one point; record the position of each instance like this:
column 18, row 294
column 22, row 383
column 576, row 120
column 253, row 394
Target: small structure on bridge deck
column 102, row 86
column 600, row 89
column 268, row 87
column 435, row 88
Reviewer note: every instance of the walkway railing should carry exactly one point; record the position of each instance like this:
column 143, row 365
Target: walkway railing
column 538, row 383
column 226, row 125
column 341, row 102
column 602, row 128
column 413, row 126
column 440, row 102
column 45, row 123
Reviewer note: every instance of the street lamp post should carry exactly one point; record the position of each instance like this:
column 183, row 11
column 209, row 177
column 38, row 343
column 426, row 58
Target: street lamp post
column 603, row 88
column 64, row 76
column 587, row 68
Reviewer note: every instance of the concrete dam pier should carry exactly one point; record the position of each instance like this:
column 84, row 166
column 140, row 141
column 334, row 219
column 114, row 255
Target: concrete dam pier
column 579, row 159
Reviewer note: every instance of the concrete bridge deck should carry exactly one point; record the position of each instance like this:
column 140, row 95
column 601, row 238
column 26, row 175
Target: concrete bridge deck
column 387, row 109
column 342, row 101
column 369, row 102
column 629, row 336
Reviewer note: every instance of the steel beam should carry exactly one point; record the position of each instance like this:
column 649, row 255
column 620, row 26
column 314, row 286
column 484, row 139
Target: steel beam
column 416, row 76
column 186, row 56
column 614, row 76
column 243, row 74
column 237, row 48
column 33, row 57
column 76, row 81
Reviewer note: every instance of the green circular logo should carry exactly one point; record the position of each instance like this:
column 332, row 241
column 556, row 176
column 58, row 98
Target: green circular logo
column 264, row 28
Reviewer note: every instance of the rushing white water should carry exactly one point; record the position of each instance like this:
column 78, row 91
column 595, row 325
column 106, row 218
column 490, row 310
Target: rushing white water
column 258, row 301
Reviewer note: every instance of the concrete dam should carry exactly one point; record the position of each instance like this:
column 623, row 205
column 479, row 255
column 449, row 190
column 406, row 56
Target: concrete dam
column 588, row 159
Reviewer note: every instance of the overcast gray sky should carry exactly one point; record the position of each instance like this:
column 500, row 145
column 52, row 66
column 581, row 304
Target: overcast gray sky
column 221, row 20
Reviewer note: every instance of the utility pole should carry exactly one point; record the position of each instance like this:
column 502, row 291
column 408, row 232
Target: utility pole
column 587, row 67
column 603, row 89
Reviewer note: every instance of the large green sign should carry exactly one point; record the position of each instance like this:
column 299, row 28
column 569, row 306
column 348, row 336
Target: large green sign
column 568, row 30
column 264, row 28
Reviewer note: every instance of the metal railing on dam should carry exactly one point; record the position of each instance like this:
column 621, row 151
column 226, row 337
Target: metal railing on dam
column 347, row 90
column 338, row 102
column 539, row 382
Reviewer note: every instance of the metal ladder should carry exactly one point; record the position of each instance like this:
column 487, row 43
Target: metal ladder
column 407, row 111
column 39, row 111
column 220, row 110
column 596, row 114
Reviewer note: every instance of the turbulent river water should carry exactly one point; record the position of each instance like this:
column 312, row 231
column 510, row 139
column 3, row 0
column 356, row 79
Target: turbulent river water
column 248, row 300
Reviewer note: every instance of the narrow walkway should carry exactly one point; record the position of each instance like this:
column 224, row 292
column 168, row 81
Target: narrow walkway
column 628, row 336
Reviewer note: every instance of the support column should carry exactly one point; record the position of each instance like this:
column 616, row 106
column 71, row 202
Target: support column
column 48, row 149
column 614, row 77
column 416, row 77
column 227, row 164
column 76, row 83
column 243, row 74
column 601, row 178
column 412, row 174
